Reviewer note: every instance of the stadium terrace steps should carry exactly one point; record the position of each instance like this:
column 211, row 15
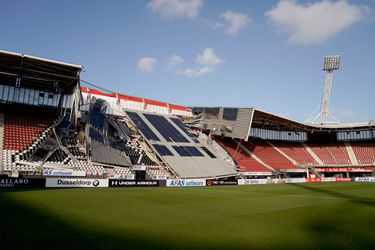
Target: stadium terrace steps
column 331, row 154
column 297, row 152
column 256, row 158
column 351, row 154
column 312, row 153
column 270, row 155
column 246, row 162
column 281, row 152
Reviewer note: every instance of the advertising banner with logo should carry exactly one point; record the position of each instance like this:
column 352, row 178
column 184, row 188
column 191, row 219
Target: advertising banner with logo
column 10, row 182
column 365, row 179
column 295, row 180
column 139, row 168
column 293, row 170
column 345, row 169
column 67, row 172
column 88, row 183
column 133, row 183
column 186, row 183
column 252, row 181
column 256, row 173
column 328, row 179
column 313, row 179
column 343, row 179
column 221, row 182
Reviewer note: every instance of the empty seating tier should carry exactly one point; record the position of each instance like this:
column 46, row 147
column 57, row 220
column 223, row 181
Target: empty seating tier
column 269, row 155
column 296, row 151
column 245, row 162
column 364, row 152
column 331, row 154
column 21, row 129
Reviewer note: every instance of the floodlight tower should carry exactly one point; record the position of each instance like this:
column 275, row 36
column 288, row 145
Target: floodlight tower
column 330, row 63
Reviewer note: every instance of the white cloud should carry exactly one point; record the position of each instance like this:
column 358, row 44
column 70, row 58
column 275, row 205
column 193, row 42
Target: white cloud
column 314, row 23
column 236, row 21
column 147, row 64
column 207, row 61
column 208, row 58
column 189, row 72
column 175, row 61
column 170, row 9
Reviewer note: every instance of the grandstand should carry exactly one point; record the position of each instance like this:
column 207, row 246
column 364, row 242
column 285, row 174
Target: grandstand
column 48, row 121
column 258, row 140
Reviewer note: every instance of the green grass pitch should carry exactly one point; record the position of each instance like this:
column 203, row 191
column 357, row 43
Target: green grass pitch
column 279, row 216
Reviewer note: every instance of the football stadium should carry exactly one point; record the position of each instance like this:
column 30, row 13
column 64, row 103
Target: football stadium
column 91, row 166
column 109, row 170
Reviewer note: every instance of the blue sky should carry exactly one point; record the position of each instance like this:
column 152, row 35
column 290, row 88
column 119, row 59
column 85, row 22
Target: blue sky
column 264, row 54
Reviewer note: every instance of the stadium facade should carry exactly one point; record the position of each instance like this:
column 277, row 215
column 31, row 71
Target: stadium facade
column 51, row 126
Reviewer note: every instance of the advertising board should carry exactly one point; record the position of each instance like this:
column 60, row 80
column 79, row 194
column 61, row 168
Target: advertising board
column 64, row 172
column 365, row 179
column 328, row 179
column 257, row 173
column 343, row 179
column 11, row 182
column 313, row 179
column 133, row 183
column 88, row 183
column 186, row 183
column 295, row 180
column 345, row 169
column 252, row 181
column 139, row 168
column 221, row 182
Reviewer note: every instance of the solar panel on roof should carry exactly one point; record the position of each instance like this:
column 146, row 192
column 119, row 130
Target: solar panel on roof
column 187, row 151
column 181, row 151
column 193, row 151
column 182, row 126
column 162, row 149
column 141, row 125
column 165, row 128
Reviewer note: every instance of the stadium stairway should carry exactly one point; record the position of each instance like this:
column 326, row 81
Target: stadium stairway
column 281, row 152
column 245, row 149
column 312, row 153
column 351, row 154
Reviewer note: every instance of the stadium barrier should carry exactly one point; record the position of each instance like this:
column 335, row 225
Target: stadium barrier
column 186, row 183
column 11, row 182
column 221, row 182
column 364, row 179
column 87, row 183
column 136, row 183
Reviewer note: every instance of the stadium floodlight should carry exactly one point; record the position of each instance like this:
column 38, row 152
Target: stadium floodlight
column 330, row 63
